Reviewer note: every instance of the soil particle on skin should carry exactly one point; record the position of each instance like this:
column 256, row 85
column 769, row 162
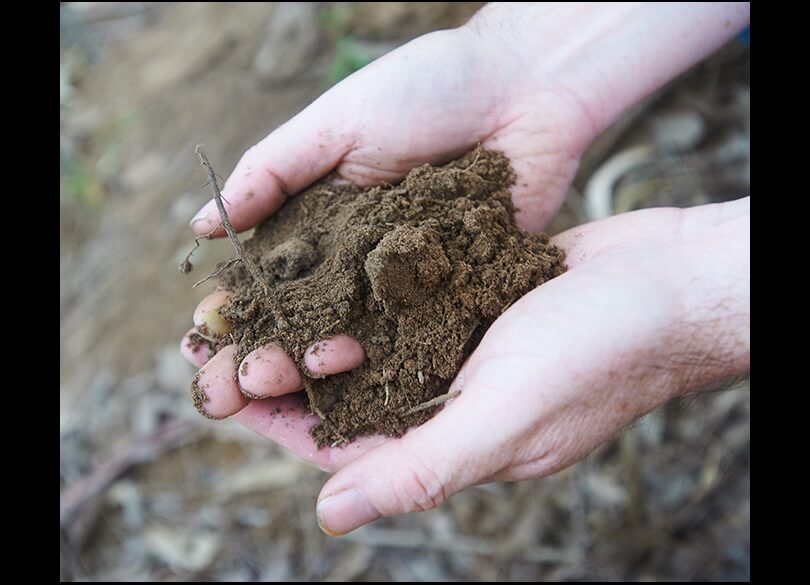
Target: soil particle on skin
column 198, row 396
column 196, row 341
column 416, row 272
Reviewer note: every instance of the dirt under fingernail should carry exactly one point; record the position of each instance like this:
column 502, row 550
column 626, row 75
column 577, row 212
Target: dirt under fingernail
column 198, row 396
column 416, row 273
column 195, row 340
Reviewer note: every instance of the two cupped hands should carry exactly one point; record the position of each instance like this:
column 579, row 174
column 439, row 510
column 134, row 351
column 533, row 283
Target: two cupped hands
column 565, row 368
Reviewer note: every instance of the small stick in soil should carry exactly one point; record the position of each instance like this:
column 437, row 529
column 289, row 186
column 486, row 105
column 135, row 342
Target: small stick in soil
column 431, row 403
column 226, row 222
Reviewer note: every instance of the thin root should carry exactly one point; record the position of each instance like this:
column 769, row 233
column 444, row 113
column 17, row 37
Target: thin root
column 186, row 266
column 218, row 272
column 469, row 167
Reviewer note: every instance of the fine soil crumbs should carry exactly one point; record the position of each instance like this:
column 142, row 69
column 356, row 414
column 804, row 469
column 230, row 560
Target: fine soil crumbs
column 416, row 272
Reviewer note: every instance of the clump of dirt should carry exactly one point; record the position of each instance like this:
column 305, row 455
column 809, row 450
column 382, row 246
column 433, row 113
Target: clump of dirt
column 416, row 272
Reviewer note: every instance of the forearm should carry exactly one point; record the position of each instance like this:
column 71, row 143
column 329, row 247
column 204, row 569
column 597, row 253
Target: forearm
column 605, row 57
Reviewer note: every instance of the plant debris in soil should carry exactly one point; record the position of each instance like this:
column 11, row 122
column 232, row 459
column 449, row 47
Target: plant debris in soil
column 416, row 272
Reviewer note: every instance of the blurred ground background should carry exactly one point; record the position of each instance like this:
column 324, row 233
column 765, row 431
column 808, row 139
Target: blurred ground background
column 152, row 491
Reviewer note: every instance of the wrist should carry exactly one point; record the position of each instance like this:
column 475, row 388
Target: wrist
column 601, row 59
column 714, row 319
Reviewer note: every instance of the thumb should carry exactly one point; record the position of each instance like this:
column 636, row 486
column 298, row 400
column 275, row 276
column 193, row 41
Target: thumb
column 414, row 473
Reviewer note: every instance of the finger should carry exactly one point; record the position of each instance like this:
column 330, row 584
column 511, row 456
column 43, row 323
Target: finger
column 417, row 471
column 206, row 317
column 269, row 371
column 215, row 389
column 287, row 421
column 195, row 349
column 292, row 157
column 333, row 356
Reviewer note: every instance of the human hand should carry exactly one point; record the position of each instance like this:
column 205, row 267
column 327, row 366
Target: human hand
column 655, row 304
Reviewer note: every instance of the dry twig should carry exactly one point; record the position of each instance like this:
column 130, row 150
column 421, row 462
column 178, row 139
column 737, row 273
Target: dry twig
column 226, row 223
column 431, row 403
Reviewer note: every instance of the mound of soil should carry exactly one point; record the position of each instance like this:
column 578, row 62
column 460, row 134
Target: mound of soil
column 416, row 272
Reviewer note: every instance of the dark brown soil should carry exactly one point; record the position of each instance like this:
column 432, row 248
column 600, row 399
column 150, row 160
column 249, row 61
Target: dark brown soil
column 416, row 272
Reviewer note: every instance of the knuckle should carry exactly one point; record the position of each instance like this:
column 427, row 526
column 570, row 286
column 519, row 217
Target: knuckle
column 419, row 487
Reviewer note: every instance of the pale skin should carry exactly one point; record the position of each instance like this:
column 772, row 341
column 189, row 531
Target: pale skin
column 655, row 303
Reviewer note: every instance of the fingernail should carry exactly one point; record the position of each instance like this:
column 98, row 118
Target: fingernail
column 344, row 512
column 202, row 215
column 212, row 323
